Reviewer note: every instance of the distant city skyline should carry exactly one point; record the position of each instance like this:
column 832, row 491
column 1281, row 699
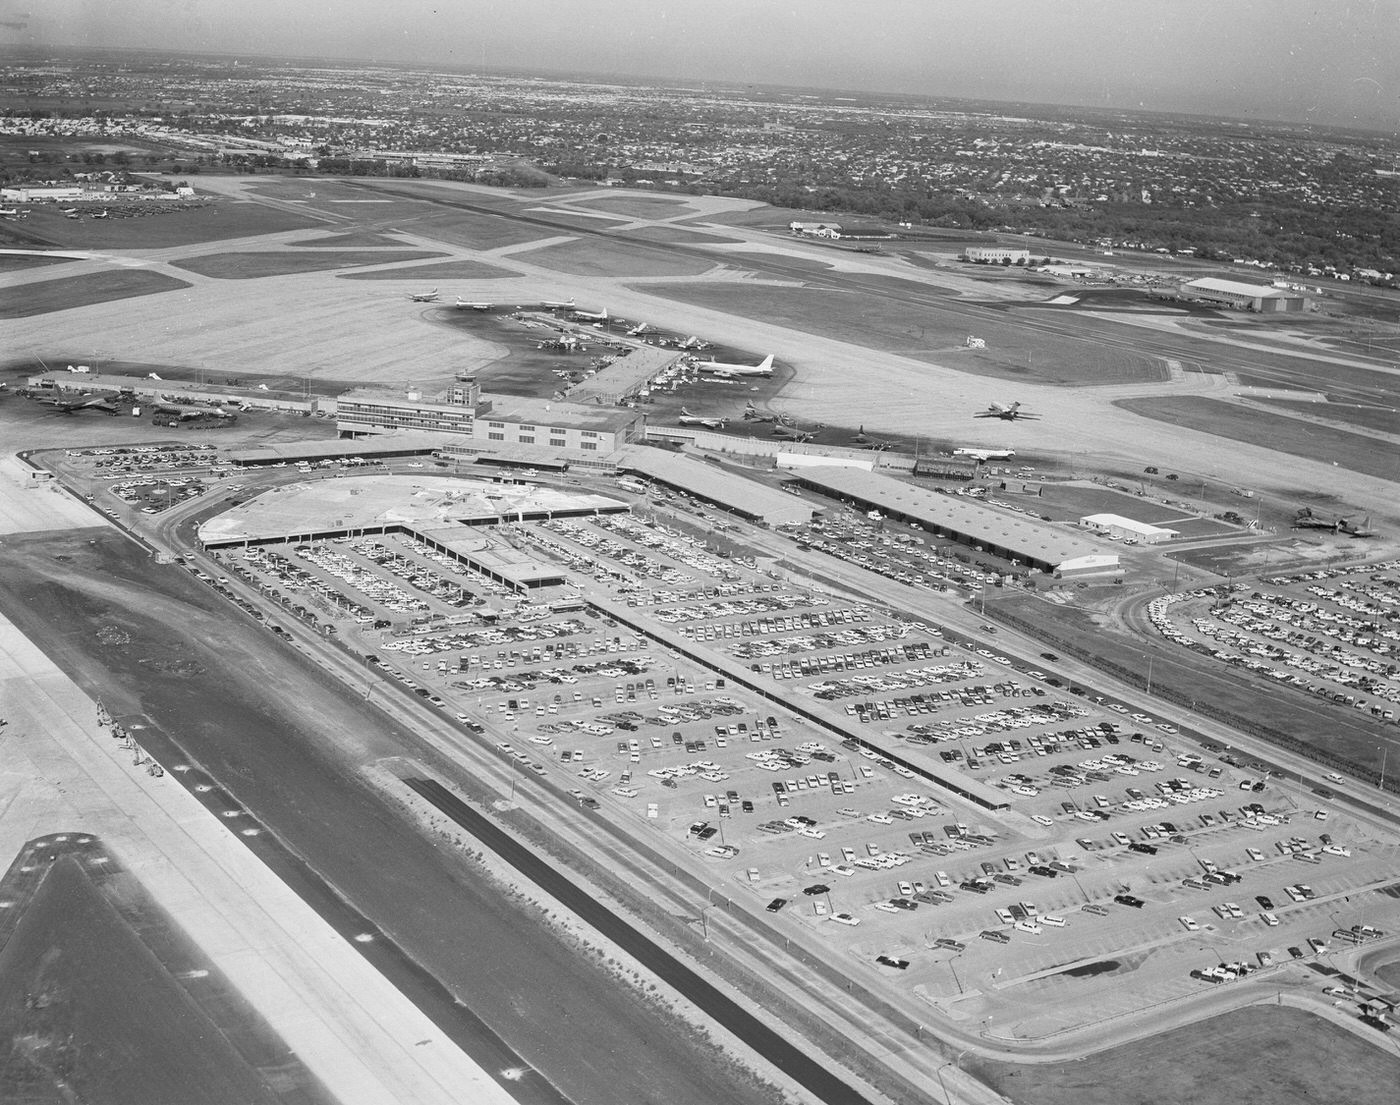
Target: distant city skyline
column 1335, row 64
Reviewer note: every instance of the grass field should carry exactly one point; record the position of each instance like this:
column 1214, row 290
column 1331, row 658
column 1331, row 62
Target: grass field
column 354, row 239
column 1070, row 501
column 44, row 296
column 922, row 333
column 256, row 264
column 1387, row 420
column 1276, row 432
column 639, row 207
column 1265, row 1054
column 676, row 235
column 613, row 258
column 445, row 270
column 159, row 226
column 12, row 262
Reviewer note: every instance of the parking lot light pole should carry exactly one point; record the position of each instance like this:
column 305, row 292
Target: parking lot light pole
column 942, row 1085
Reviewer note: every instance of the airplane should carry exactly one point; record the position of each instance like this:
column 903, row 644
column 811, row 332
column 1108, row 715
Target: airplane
column 424, row 297
column 1363, row 530
column 263, row 387
column 550, row 305
column 1306, row 519
column 85, row 402
column 694, row 343
column 103, row 214
column 688, row 419
column 719, row 368
column 463, row 305
column 638, row 330
column 862, row 438
column 591, row 316
column 790, row 433
column 152, row 376
column 1010, row 414
column 985, row 454
column 752, row 415
column 9, row 210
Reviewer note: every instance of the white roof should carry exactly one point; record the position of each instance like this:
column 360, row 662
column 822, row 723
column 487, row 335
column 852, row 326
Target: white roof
column 1117, row 521
column 1234, row 287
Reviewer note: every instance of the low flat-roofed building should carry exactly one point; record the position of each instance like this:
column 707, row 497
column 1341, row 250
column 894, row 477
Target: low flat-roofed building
column 440, row 510
column 1242, row 296
column 383, row 447
column 625, row 377
column 520, row 420
column 1014, row 537
column 718, row 486
column 995, row 255
column 1127, row 528
column 176, row 391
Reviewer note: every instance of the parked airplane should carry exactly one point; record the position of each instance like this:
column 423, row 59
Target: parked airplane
column 85, row 402
column 550, row 305
column 1363, row 530
column 79, row 368
column 152, row 376
column 590, row 316
column 790, row 433
column 101, row 214
column 9, row 211
column 688, row 419
column 462, row 305
column 694, row 343
column 424, row 297
column 1306, row 519
column 638, row 330
column 1009, row 414
column 751, row 415
column 720, row 368
column 985, row 454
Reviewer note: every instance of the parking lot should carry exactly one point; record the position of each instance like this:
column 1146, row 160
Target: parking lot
column 1133, row 864
column 1334, row 633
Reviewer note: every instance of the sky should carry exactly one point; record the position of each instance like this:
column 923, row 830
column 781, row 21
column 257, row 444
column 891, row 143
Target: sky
column 1331, row 62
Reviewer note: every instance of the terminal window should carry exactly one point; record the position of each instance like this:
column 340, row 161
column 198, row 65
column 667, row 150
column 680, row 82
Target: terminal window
column 527, row 439
column 495, row 437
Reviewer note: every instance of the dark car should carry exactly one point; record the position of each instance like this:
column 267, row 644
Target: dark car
column 1129, row 900
column 1048, row 656
column 815, row 889
column 776, row 904
column 1265, row 902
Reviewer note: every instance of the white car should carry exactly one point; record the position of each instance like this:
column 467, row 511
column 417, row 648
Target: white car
column 846, row 919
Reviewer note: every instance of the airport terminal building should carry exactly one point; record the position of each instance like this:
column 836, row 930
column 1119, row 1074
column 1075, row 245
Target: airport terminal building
column 497, row 419
column 966, row 521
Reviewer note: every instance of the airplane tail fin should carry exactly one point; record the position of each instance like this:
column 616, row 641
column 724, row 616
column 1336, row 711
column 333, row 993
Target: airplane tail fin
column 766, row 364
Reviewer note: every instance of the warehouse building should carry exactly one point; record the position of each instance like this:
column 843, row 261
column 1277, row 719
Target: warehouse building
column 712, row 484
column 1014, row 537
column 1241, row 296
column 1127, row 529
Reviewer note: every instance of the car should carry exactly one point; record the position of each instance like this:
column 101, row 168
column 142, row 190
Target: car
column 1189, row 923
column 1265, row 902
column 1268, row 918
column 844, row 919
column 1129, row 900
column 816, row 888
column 1049, row 656
column 776, row 904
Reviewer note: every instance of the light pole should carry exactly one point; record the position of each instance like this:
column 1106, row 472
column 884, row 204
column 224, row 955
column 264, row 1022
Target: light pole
column 942, row 1085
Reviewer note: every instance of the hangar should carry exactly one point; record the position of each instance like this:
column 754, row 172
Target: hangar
column 1242, row 296
column 967, row 521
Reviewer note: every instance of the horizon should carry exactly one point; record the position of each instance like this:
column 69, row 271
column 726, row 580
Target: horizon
column 968, row 104
column 1261, row 61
